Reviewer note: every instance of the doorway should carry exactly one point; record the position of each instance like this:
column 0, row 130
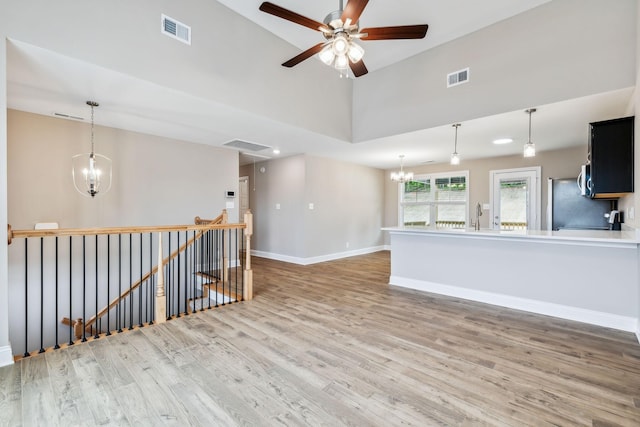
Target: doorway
column 243, row 196
column 515, row 199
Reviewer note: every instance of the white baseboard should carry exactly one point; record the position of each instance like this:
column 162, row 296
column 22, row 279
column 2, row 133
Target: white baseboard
column 624, row 323
column 6, row 356
column 315, row 260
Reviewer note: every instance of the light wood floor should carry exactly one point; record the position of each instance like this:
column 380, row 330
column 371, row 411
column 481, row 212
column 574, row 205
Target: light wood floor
column 331, row 344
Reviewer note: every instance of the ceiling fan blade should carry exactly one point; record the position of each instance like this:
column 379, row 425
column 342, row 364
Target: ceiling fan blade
column 353, row 10
column 304, row 55
column 283, row 13
column 358, row 68
column 395, row 33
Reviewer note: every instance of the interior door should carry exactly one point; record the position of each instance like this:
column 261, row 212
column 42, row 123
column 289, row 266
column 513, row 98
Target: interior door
column 515, row 199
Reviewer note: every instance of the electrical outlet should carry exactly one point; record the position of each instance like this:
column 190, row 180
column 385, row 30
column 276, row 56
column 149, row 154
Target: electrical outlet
column 277, row 206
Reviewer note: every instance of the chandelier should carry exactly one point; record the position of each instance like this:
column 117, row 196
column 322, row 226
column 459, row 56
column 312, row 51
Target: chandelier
column 91, row 171
column 401, row 176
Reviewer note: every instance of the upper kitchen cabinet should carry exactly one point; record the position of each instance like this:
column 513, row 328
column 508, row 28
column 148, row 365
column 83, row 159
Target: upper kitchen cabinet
column 611, row 155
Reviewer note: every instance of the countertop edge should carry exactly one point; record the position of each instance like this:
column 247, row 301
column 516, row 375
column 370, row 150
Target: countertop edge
column 583, row 237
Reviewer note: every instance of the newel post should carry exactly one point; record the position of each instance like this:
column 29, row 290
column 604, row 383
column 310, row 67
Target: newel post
column 161, row 299
column 247, row 293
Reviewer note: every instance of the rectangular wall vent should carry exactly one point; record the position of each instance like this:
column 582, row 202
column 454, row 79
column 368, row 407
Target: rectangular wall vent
column 244, row 145
column 175, row 29
column 458, row 77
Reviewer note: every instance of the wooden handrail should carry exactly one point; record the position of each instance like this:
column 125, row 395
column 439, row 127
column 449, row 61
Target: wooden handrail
column 121, row 230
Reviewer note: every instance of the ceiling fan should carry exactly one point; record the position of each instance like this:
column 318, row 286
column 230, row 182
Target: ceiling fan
column 340, row 28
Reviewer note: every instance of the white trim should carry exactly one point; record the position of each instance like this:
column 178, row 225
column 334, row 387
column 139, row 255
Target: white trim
column 6, row 356
column 599, row 318
column 317, row 259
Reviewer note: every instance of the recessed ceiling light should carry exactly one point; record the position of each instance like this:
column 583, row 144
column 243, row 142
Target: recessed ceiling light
column 501, row 141
column 276, row 151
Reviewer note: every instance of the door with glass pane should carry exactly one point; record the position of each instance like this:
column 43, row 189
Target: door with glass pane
column 515, row 199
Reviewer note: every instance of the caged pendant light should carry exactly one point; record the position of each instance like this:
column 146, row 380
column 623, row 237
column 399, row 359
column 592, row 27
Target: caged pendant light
column 91, row 171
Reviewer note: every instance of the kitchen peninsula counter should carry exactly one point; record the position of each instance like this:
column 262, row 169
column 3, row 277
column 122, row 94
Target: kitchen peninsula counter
column 590, row 276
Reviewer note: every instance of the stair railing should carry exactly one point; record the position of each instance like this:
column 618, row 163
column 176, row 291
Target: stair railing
column 74, row 272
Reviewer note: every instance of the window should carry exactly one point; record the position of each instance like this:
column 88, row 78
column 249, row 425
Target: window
column 436, row 200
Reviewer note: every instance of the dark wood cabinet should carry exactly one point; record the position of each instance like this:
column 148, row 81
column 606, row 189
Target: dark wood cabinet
column 611, row 156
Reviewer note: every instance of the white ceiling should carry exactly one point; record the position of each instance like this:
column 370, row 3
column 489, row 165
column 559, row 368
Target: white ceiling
column 45, row 82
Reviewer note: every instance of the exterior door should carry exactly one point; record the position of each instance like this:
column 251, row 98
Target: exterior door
column 515, row 199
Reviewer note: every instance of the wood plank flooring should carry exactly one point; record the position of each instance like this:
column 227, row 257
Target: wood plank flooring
column 329, row 345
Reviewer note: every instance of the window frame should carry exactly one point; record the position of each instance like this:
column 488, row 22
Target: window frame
column 434, row 203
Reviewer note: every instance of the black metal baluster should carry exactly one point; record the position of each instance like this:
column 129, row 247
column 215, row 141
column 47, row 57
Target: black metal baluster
column 130, row 282
column 84, row 288
column 194, row 269
column 211, row 264
column 168, row 281
column 202, row 277
column 108, row 284
column 71, row 290
column 243, row 260
column 41, row 295
column 26, row 297
column 151, row 292
column 178, row 277
column 223, row 267
column 57, row 346
column 238, row 263
column 140, row 288
column 119, row 306
column 97, row 333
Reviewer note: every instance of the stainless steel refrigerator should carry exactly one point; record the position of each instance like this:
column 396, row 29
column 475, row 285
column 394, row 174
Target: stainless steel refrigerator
column 567, row 209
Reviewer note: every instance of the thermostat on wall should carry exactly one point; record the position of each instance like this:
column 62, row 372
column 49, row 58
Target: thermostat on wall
column 230, row 194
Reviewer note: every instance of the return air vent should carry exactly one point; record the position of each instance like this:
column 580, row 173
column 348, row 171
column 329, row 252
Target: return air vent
column 458, row 77
column 244, row 145
column 176, row 29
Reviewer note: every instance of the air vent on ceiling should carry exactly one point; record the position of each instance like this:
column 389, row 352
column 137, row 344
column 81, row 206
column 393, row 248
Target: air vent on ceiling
column 244, row 145
column 176, row 29
column 67, row 116
column 458, row 77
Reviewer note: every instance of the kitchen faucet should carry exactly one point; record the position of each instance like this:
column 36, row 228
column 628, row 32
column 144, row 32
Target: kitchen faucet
column 478, row 215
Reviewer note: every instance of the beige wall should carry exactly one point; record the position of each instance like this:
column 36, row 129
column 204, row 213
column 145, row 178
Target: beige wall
column 554, row 164
column 156, row 181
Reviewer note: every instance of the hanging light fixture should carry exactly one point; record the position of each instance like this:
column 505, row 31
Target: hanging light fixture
column 530, row 147
column 91, row 171
column 401, row 176
column 455, row 158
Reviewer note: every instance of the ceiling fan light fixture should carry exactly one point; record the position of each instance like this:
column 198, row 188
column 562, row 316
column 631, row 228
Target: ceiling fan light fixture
column 326, row 55
column 356, row 52
column 340, row 44
column 341, row 62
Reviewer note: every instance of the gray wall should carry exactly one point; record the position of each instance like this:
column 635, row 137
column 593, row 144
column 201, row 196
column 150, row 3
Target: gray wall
column 561, row 50
column 554, row 164
column 347, row 214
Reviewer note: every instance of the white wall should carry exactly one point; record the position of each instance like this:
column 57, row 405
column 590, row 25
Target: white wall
column 5, row 347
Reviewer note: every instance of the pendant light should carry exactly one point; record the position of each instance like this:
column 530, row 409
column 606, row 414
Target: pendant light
column 401, row 176
column 91, row 171
column 530, row 147
column 455, row 158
